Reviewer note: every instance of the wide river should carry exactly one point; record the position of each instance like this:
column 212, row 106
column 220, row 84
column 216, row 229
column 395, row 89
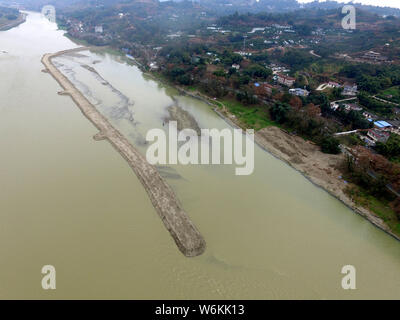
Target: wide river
column 69, row 201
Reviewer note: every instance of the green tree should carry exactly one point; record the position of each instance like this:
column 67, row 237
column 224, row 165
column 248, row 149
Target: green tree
column 330, row 145
column 390, row 149
column 279, row 112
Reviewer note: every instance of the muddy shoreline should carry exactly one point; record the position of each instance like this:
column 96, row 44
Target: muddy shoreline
column 186, row 236
column 319, row 168
column 21, row 19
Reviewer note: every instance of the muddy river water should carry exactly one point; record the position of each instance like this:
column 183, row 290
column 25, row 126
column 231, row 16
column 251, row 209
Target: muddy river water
column 69, row 201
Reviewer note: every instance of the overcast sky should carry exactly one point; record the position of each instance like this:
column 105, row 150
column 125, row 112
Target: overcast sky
column 382, row 3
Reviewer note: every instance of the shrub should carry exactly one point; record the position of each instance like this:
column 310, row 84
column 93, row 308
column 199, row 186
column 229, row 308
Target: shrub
column 330, row 145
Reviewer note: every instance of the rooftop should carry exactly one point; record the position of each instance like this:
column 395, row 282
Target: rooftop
column 382, row 124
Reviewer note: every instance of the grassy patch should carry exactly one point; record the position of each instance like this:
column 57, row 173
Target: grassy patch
column 78, row 41
column 396, row 160
column 6, row 24
column 254, row 117
column 380, row 207
column 350, row 140
column 393, row 91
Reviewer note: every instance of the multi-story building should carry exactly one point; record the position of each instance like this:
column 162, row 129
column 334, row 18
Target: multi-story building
column 286, row 80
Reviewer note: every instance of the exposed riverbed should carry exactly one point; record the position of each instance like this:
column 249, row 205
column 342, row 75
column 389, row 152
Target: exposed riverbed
column 176, row 220
column 73, row 202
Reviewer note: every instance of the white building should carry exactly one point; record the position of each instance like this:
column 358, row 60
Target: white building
column 299, row 92
column 350, row 90
column 236, row 66
column 98, row 29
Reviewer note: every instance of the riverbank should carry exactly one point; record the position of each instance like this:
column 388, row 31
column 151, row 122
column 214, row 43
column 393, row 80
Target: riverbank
column 14, row 23
column 185, row 234
column 304, row 156
column 320, row 168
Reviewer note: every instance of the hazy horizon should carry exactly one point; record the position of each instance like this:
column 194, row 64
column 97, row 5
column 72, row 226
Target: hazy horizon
column 380, row 3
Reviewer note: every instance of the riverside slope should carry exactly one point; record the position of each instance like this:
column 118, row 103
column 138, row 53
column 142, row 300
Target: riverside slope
column 188, row 239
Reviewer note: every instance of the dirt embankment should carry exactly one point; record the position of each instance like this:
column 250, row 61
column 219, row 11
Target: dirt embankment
column 183, row 231
column 14, row 23
column 303, row 156
column 318, row 167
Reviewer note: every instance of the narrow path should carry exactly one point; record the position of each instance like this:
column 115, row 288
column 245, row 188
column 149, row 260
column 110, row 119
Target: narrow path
column 314, row 54
column 348, row 99
column 385, row 101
